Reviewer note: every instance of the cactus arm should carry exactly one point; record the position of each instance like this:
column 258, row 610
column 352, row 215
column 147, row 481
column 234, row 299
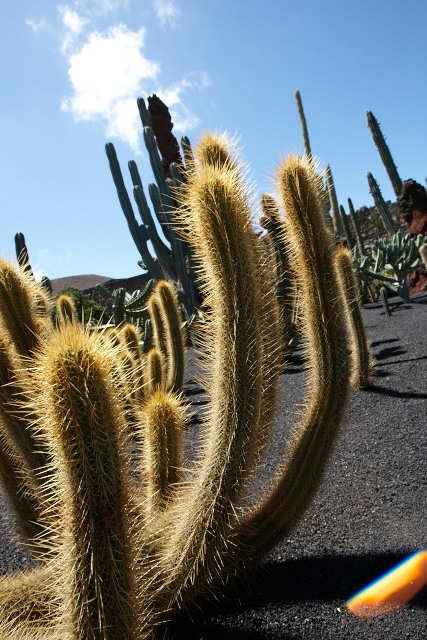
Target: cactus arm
column 103, row 291
column 162, row 421
column 362, row 361
column 306, row 140
column 138, row 233
column 381, row 206
column 22, row 252
column 173, row 337
column 143, row 113
column 384, row 152
column 75, row 394
column 219, row 227
column 188, row 153
column 327, row 362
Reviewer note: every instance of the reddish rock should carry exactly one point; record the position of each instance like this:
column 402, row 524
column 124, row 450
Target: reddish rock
column 413, row 206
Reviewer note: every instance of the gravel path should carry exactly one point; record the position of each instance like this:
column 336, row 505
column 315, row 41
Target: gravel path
column 369, row 514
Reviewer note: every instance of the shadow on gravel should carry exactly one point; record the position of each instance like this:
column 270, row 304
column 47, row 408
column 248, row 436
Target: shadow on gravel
column 389, row 352
column 393, row 393
column 320, row 579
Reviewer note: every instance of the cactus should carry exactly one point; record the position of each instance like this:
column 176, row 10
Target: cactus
column 362, row 362
column 168, row 336
column 384, row 152
column 307, row 147
column 65, row 309
column 172, row 262
column 126, row 306
column 272, row 223
column 336, row 217
column 384, row 300
column 401, row 255
column 154, row 373
column 163, row 420
column 24, row 260
column 356, row 228
column 126, row 550
column 386, row 217
column 346, row 226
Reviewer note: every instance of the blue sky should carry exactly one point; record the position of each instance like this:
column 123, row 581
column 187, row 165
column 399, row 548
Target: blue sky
column 71, row 72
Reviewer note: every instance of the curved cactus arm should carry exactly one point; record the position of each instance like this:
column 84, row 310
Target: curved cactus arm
column 327, row 361
column 219, row 227
column 103, row 291
column 140, row 298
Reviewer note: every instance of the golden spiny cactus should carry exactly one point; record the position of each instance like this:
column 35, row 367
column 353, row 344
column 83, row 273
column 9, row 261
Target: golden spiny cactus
column 131, row 534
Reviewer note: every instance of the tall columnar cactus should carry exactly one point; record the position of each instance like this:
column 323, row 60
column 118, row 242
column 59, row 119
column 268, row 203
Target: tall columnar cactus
column 24, row 260
column 356, row 228
column 336, row 217
column 119, row 562
column 346, row 226
column 172, row 259
column 384, row 152
column 362, row 361
column 307, row 147
column 386, row 217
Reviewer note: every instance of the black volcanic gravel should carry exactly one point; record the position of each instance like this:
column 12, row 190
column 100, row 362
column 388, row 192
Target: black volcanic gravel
column 370, row 512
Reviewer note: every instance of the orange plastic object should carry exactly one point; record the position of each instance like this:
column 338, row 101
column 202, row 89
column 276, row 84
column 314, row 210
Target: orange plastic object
column 392, row 590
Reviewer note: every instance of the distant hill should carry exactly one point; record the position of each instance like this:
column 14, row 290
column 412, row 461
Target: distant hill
column 78, row 282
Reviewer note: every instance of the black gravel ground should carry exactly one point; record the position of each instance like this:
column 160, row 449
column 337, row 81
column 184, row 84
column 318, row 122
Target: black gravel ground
column 369, row 514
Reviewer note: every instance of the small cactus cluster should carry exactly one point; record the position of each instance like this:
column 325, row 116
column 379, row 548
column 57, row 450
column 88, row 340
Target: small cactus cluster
column 126, row 531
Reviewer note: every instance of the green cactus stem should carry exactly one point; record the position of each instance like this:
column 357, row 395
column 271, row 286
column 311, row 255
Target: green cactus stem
column 386, row 217
column 384, row 152
column 356, row 228
column 362, row 361
column 336, row 217
column 348, row 234
column 306, row 140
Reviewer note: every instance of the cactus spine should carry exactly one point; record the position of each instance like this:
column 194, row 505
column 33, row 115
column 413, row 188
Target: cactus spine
column 384, row 152
column 362, row 362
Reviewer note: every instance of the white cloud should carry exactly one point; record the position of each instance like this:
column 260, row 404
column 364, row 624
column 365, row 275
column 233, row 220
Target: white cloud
column 167, row 12
column 74, row 25
column 107, row 74
column 36, row 25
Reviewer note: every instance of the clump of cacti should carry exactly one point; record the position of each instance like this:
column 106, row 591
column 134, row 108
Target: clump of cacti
column 172, row 260
column 131, row 534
